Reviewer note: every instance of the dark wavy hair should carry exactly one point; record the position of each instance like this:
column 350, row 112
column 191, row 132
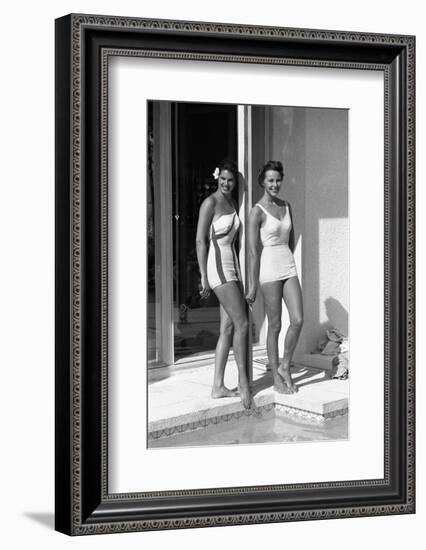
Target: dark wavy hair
column 231, row 166
column 270, row 165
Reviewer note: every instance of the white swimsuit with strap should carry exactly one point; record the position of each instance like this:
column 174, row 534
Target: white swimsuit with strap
column 277, row 260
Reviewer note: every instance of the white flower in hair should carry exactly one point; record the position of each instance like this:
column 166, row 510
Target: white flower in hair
column 216, row 174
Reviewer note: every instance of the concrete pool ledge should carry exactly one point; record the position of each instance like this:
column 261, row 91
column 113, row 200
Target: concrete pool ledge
column 180, row 401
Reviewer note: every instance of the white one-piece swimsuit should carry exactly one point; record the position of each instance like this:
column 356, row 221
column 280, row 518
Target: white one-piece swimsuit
column 222, row 261
column 277, row 260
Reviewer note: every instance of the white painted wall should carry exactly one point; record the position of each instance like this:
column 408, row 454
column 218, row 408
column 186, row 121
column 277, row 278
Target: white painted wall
column 26, row 229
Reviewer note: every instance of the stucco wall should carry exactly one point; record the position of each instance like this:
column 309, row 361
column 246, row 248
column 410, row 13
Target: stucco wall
column 326, row 243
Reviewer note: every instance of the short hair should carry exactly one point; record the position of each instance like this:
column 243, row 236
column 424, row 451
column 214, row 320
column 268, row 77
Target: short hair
column 270, row 165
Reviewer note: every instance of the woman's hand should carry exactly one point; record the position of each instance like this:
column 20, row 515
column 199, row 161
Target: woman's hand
column 205, row 288
column 251, row 296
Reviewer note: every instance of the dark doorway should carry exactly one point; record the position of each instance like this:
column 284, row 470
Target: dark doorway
column 202, row 135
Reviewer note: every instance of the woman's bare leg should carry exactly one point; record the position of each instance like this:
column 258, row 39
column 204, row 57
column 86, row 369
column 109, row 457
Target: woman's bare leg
column 221, row 356
column 272, row 296
column 232, row 300
column 292, row 295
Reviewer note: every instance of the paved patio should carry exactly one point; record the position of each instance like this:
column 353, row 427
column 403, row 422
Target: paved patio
column 181, row 395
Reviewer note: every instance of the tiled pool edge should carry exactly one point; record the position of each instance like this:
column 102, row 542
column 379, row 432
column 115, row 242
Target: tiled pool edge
column 171, row 426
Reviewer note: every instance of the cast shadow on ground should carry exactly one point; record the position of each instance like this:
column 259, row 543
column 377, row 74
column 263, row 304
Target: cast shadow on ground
column 47, row 519
column 310, row 375
column 157, row 374
column 299, row 374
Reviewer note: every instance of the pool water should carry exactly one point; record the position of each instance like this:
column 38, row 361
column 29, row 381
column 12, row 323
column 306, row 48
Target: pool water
column 266, row 427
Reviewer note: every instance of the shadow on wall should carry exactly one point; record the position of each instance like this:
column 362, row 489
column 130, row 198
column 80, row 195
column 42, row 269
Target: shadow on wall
column 337, row 316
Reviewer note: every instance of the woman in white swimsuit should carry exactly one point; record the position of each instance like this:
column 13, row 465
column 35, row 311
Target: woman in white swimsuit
column 218, row 224
column 271, row 221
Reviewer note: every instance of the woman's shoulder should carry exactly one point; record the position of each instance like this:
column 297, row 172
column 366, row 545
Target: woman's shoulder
column 283, row 203
column 207, row 208
column 257, row 211
column 208, row 203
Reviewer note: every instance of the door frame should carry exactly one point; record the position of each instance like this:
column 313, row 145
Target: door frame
column 163, row 208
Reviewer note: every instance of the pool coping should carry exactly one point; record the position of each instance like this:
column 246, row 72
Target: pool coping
column 286, row 405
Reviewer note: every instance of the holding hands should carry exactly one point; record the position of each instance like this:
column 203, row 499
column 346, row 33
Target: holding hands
column 251, row 295
column 205, row 288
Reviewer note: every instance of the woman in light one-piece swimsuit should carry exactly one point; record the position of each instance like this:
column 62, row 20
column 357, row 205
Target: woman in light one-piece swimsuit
column 217, row 231
column 275, row 271
column 222, row 261
column 277, row 260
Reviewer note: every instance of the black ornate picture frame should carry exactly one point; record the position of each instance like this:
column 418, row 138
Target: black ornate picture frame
column 83, row 45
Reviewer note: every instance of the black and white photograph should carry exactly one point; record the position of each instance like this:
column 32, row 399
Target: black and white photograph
column 248, row 331
column 213, row 248
column 234, row 263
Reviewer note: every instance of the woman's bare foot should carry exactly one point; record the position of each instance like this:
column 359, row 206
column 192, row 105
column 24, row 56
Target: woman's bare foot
column 280, row 386
column 284, row 372
column 245, row 395
column 223, row 391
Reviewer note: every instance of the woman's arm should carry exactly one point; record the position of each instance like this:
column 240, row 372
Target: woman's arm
column 205, row 217
column 291, row 240
column 254, row 221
